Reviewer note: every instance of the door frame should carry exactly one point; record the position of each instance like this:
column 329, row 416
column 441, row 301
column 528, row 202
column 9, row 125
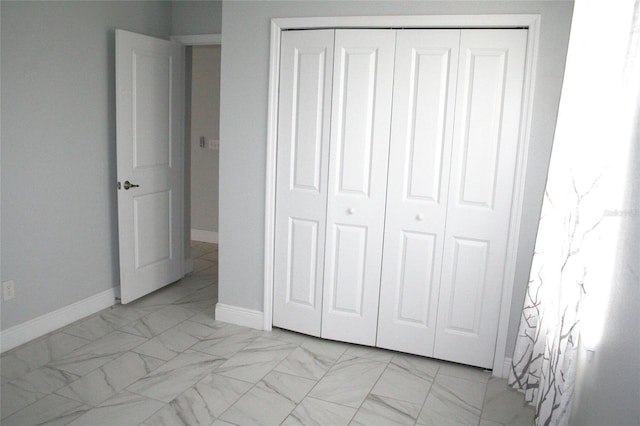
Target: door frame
column 198, row 40
column 191, row 40
column 529, row 21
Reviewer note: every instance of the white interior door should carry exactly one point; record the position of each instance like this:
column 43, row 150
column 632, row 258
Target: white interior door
column 360, row 127
column 419, row 160
column 301, row 197
column 150, row 156
column 484, row 153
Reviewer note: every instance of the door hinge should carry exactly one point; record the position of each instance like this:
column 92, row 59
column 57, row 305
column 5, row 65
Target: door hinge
column 119, row 185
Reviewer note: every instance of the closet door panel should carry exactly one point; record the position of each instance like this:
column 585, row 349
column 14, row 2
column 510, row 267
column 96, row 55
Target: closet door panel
column 419, row 162
column 467, row 284
column 361, row 107
column 355, row 143
column 349, row 254
column 484, row 154
column 301, row 181
column 301, row 263
column 415, row 283
column 484, row 90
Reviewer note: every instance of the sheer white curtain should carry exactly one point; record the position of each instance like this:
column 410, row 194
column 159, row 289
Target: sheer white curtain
column 571, row 268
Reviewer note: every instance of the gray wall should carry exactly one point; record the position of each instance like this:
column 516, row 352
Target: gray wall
column 244, row 97
column 205, row 121
column 59, row 227
column 196, row 17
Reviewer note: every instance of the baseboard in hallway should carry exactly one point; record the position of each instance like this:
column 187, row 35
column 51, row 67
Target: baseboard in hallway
column 204, row 236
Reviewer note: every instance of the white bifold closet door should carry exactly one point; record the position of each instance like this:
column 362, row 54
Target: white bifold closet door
column 306, row 66
column 421, row 137
column 451, row 174
column 395, row 175
column 481, row 182
column 360, row 127
column 340, row 99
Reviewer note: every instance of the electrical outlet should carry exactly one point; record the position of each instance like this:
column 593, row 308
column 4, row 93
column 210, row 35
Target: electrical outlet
column 8, row 290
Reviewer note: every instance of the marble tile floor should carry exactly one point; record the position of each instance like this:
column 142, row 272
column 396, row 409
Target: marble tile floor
column 165, row 360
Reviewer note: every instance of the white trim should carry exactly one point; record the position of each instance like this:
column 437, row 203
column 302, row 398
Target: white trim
column 408, row 21
column 239, row 316
column 506, row 367
column 204, row 236
column 37, row 327
column 515, row 220
column 529, row 21
column 198, row 40
column 270, row 178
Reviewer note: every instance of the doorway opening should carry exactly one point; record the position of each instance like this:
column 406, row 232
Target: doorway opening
column 202, row 113
column 202, row 118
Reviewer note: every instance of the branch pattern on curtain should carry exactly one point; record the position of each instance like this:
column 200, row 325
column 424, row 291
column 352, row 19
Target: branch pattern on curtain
column 544, row 360
column 576, row 239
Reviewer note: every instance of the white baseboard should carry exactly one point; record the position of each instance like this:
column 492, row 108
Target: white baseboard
column 239, row 316
column 37, row 327
column 506, row 368
column 188, row 265
column 204, row 236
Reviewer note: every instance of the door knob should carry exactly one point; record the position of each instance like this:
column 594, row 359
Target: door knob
column 419, row 217
column 128, row 185
column 351, row 210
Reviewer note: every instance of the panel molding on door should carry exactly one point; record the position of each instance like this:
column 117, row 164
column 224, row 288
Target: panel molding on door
column 484, row 155
column 360, row 128
column 417, row 194
column 301, row 181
